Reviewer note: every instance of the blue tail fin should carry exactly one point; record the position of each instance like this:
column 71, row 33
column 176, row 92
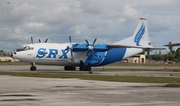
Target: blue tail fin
column 140, row 36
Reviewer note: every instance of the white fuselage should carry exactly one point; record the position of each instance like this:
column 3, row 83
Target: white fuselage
column 56, row 54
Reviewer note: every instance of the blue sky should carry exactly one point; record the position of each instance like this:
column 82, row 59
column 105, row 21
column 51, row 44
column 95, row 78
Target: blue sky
column 106, row 20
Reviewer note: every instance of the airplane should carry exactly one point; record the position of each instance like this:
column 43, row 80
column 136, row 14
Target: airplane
column 172, row 44
column 85, row 55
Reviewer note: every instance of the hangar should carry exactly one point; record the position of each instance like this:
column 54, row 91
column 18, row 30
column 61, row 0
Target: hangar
column 140, row 58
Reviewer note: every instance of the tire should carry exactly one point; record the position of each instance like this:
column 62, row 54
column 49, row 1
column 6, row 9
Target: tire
column 33, row 68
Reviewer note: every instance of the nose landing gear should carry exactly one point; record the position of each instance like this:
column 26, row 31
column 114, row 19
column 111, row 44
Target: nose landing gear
column 33, row 67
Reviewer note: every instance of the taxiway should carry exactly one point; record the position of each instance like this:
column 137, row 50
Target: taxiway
column 26, row 91
column 99, row 70
column 29, row 91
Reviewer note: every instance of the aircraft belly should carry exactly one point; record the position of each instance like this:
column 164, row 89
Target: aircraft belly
column 132, row 51
column 60, row 62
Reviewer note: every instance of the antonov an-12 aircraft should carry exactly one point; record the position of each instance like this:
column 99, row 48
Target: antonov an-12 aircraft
column 172, row 44
column 85, row 55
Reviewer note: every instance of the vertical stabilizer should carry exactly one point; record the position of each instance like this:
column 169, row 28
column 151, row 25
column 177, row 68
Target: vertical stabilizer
column 140, row 36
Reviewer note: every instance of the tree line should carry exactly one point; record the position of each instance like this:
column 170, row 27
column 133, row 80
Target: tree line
column 173, row 56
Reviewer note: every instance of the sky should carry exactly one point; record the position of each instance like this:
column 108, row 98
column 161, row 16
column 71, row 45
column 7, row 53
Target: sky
column 107, row 20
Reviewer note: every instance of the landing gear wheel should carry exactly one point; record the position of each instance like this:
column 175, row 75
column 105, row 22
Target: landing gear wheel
column 88, row 68
column 85, row 68
column 73, row 68
column 66, row 68
column 33, row 68
column 82, row 66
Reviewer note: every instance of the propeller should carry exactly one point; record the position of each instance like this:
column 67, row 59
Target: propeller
column 90, row 47
column 70, row 47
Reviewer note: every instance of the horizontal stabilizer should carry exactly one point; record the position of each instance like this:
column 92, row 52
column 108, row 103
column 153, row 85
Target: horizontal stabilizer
column 175, row 44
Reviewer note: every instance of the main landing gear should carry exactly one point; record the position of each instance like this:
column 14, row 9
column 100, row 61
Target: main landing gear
column 33, row 67
column 73, row 68
column 83, row 67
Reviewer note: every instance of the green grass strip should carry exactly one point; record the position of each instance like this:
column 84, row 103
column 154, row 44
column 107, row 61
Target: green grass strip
column 115, row 78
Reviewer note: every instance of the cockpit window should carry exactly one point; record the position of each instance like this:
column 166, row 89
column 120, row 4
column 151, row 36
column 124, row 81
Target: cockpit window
column 25, row 48
column 31, row 48
column 19, row 49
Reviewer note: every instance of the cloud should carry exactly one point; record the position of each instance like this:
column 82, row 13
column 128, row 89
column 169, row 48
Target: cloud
column 108, row 21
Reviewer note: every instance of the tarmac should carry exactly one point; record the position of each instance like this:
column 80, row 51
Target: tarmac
column 30, row 91
column 109, row 70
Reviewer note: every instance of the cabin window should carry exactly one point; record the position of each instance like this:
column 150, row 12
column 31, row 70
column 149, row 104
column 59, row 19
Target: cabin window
column 31, row 48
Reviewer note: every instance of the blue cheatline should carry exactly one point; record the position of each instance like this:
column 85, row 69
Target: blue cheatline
column 113, row 55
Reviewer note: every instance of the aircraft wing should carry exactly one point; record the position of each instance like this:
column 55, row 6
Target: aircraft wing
column 141, row 47
column 124, row 46
column 175, row 44
column 158, row 48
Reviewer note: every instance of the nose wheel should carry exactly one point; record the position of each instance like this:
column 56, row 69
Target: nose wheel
column 33, row 67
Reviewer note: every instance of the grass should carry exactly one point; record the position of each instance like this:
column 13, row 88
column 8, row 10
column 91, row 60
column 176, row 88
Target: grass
column 14, row 63
column 135, row 69
column 177, row 85
column 115, row 78
column 142, row 64
column 128, row 69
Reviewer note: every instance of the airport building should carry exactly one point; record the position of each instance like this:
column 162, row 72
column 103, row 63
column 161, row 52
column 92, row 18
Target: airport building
column 140, row 58
column 6, row 59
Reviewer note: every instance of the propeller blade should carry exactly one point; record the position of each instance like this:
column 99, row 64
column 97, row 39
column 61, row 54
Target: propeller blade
column 72, row 57
column 71, row 47
column 94, row 53
column 46, row 40
column 87, row 42
column 91, row 52
column 94, row 41
column 88, row 53
column 70, row 39
column 31, row 39
column 39, row 40
column 67, row 48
